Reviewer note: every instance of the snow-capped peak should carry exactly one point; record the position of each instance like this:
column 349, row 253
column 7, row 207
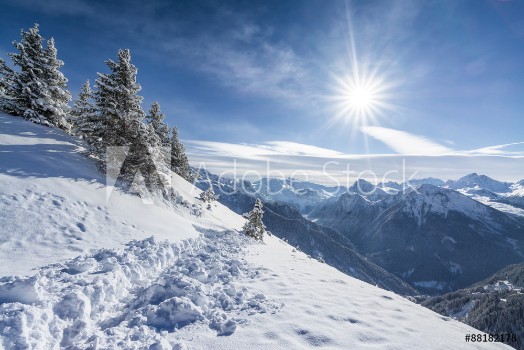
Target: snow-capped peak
column 366, row 188
column 428, row 180
column 475, row 180
column 352, row 201
column 428, row 199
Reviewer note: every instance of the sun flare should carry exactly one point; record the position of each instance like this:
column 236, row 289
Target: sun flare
column 361, row 97
column 359, row 100
column 362, row 93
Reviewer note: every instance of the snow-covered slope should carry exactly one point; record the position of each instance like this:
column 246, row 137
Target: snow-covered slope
column 197, row 283
column 320, row 242
column 53, row 202
column 501, row 294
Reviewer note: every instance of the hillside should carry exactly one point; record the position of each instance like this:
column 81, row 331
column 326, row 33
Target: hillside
column 494, row 305
column 53, row 202
column 319, row 242
column 126, row 274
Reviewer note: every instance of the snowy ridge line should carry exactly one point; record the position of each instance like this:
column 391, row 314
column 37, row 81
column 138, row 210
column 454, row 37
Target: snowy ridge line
column 128, row 299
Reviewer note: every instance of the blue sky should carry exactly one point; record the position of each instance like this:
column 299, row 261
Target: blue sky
column 267, row 75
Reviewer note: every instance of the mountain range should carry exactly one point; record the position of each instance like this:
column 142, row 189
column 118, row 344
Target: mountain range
column 437, row 239
column 319, row 242
column 436, row 235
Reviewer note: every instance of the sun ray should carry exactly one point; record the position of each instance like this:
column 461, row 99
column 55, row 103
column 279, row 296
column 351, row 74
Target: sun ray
column 362, row 95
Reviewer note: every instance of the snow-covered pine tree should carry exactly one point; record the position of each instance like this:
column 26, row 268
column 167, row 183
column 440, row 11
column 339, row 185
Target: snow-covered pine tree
column 159, row 153
column 6, row 87
column 179, row 162
column 57, row 86
column 109, row 124
column 83, row 114
column 140, row 157
column 3, row 79
column 39, row 82
column 27, row 85
column 118, row 104
column 117, row 100
column 120, row 121
column 254, row 227
column 155, row 118
column 208, row 195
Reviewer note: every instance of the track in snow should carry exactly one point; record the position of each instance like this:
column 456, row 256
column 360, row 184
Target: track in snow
column 130, row 298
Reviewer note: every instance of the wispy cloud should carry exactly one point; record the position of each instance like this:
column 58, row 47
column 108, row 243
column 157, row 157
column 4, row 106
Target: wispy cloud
column 499, row 149
column 405, row 143
column 283, row 158
column 262, row 67
column 230, row 46
column 293, row 148
column 259, row 151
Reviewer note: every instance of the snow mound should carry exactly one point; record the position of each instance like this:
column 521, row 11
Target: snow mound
column 131, row 298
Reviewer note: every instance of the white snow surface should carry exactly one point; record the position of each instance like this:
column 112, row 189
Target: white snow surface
column 507, row 208
column 121, row 274
column 517, row 189
column 53, row 203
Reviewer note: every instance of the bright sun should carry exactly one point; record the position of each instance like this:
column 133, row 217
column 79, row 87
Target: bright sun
column 360, row 97
column 364, row 92
column 360, row 100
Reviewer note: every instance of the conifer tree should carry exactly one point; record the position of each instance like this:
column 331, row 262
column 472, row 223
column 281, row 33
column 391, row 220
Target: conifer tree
column 160, row 152
column 6, row 87
column 3, row 79
column 254, row 227
column 118, row 104
column 179, row 162
column 120, row 121
column 83, row 114
column 27, row 84
column 155, row 118
column 38, row 87
column 208, row 195
column 56, row 85
column 108, row 124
